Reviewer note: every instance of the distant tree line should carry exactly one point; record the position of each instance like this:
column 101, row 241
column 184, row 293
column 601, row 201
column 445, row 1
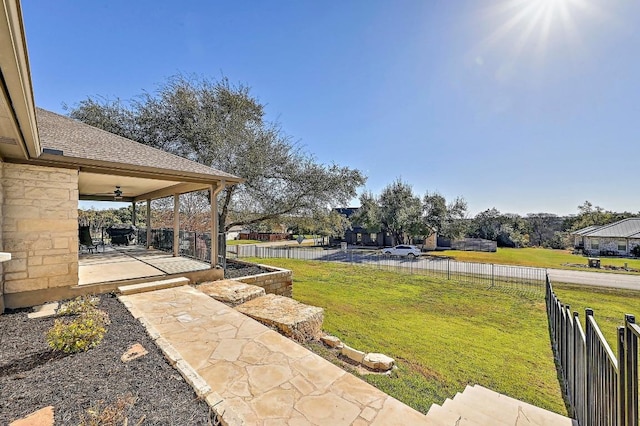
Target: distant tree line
column 404, row 216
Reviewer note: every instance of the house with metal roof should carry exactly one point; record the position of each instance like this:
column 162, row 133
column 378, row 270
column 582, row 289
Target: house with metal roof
column 49, row 162
column 618, row 238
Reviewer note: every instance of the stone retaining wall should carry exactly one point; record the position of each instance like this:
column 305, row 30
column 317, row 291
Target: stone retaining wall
column 277, row 281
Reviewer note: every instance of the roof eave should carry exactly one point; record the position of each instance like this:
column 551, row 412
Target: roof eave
column 17, row 77
column 96, row 166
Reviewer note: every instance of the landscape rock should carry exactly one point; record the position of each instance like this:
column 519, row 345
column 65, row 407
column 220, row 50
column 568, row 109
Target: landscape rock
column 379, row 362
column 43, row 311
column 352, row 354
column 293, row 319
column 231, row 292
column 331, row 341
column 42, row 417
column 135, row 351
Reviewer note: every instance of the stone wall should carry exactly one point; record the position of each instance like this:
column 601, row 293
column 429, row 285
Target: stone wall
column 39, row 229
column 277, row 281
column 607, row 244
column 1, row 244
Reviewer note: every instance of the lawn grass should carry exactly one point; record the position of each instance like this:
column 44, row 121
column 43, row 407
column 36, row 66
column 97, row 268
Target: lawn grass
column 536, row 257
column 239, row 242
column 609, row 306
column 444, row 335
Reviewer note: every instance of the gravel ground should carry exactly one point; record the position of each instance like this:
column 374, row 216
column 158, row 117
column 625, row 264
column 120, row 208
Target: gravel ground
column 32, row 377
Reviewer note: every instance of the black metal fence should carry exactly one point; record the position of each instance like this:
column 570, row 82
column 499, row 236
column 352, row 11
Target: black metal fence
column 601, row 387
column 196, row 245
column 522, row 279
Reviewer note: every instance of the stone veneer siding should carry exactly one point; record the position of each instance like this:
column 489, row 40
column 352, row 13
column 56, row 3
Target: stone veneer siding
column 39, row 229
column 278, row 281
column 1, row 244
column 610, row 244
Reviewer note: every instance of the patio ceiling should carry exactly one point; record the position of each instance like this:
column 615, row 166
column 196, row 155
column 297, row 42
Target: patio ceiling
column 101, row 187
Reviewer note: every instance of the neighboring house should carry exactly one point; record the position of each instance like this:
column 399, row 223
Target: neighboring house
column 234, row 232
column 357, row 235
column 48, row 162
column 618, row 238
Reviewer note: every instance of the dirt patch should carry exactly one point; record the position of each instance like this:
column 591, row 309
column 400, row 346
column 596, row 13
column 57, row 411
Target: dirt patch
column 33, row 377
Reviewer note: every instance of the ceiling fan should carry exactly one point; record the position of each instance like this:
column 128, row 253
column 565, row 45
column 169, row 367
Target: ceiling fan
column 117, row 193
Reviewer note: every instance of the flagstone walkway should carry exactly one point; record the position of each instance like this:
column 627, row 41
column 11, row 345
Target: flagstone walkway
column 263, row 377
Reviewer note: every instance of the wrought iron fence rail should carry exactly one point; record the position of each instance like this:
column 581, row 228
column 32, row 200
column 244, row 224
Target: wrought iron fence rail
column 513, row 278
column 601, row 386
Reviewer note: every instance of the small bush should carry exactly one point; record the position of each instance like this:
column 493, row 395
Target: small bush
column 83, row 331
column 79, row 305
column 636, row 251
column 111, row 415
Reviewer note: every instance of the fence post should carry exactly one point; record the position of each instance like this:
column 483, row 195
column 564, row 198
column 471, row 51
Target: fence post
column 448, row 269
column 589, row 400
column 631, row 369
column 492, row 275
column 622, row 371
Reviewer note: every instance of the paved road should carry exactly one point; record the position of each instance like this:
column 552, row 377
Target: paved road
column 599, row 279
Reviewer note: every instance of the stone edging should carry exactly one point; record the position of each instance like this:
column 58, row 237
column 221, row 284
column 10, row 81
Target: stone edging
column 374, row 361
column 223, row 415
column 277, row 280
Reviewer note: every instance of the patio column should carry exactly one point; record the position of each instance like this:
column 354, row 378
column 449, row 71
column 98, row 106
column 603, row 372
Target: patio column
column 148, row 223
column 214, row 226
column 133, row 215
column 176, row 225
column 213, row 195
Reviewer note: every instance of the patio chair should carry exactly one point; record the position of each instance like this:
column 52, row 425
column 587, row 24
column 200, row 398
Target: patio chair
column 84, row 237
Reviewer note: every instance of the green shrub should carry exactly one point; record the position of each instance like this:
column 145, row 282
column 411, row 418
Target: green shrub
column 79, row 305
column 82, row 329
column 636, row 251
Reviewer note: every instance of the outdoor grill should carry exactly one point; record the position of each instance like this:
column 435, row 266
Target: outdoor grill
column 122, row 233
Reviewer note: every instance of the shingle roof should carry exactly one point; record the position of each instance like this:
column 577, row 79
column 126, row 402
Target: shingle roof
column 626, row 228
column 79, row 140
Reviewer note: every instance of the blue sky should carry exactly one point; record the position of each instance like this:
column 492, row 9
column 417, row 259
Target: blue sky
column 523, row 105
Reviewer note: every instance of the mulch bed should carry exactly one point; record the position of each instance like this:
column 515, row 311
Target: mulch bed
column 32, row 376
column 236, row 270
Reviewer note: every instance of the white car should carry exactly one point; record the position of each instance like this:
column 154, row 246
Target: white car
column 402, row 250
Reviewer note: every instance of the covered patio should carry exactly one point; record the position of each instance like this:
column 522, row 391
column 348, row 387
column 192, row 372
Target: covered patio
column 120, row 170
column 133, row 264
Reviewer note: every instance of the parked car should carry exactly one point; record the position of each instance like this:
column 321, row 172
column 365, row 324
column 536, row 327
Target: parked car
column 402, row 250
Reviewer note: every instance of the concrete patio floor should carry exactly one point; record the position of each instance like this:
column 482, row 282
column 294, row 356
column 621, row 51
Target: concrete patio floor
column 132, row 262
column 261, row 376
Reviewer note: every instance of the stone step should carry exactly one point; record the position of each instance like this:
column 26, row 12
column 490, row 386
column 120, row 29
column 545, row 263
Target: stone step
column 293, row 319
column 153, row 285
column 231, row 292
column 455, row 406
column 442, row 416
column 505, row 409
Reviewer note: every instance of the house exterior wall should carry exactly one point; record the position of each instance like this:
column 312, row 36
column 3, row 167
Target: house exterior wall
column 40, row 230
column 610, row 245
column 431, row 242
column 1, row 244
